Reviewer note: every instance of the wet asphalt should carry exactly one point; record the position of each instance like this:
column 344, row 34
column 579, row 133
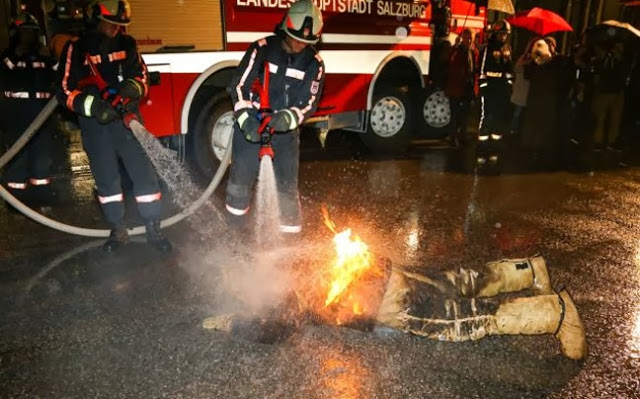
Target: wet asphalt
column 79, row 323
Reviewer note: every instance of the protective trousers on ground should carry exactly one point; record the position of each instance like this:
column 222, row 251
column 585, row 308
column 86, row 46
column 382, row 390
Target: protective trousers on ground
column 465, row 304
column 108, row 144
column 244, row 171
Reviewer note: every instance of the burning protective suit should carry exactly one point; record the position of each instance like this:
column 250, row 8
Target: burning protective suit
column 296, row 76
column 105, row 137
column 495, row 81
column 27, row 76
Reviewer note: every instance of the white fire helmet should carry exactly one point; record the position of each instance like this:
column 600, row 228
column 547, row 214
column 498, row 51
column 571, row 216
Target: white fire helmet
column 303, row 22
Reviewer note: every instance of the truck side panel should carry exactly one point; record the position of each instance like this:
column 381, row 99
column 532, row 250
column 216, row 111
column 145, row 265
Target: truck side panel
column 163, row 25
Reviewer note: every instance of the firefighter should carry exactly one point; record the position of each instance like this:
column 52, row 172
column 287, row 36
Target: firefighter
column 495, row 81
column 296, row 76
column 27, row 77
column 113, row 56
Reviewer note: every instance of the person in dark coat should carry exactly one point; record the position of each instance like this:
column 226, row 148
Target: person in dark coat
column 550, row 77
column 27, row 76
column 460, row 83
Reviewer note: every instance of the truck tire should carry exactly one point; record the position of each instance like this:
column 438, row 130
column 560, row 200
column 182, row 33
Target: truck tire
column 212, row 129
column 433, row 112
column 389, row 126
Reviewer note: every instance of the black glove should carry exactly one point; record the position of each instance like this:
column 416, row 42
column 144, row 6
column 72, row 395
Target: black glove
column 130, row 89
column 103, row 111
column 249, row 124
column 281, row 121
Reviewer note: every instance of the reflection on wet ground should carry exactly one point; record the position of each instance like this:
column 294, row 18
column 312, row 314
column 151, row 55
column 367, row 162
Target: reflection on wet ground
column 78, row 323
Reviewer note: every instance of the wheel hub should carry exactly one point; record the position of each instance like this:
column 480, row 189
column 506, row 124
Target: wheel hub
column 437, row 110
column 222, row 130
column 387, row 116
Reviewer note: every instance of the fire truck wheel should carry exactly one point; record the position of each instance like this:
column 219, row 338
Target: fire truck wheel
column 213, row 127
column 389, row 128
column 434, row 110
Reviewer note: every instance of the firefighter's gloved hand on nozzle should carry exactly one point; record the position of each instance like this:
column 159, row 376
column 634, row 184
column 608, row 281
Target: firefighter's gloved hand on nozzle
column 283, row 121
column 130, row 89
column 249, row 124
column 103, row 111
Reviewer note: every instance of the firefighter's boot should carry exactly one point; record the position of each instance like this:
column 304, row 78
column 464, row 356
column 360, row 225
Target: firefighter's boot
column 508, row 275
column 155, row 237
column 117, row 238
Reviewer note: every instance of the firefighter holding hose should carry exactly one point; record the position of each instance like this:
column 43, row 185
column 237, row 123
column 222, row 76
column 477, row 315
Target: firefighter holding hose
column 27, row 76
column 295, row 75
column 106, row 54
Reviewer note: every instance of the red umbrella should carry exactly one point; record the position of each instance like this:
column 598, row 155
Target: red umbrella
column 540, row 21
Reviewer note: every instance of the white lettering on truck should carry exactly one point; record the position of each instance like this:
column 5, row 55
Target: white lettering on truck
column 383, row 7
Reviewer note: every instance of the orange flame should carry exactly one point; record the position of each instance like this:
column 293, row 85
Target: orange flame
column 352, row 260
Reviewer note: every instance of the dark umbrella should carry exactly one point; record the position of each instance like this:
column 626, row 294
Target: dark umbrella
column 540, row 21
column 613, row 31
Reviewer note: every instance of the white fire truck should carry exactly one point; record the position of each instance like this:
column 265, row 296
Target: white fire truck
column 376, row 53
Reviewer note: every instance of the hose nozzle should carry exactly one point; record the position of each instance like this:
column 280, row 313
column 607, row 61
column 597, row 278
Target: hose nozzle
column 265, row 144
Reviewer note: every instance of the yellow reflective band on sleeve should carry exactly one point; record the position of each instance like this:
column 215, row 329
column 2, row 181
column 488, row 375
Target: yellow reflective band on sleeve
column 242, row 117
column 138, row 86
column 88, row 102
column 293, row 120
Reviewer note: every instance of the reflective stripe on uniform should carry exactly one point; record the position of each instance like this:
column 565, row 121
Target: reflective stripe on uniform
column 8, row 63
column 293, row 119
column 70, row 95
column 480, row 125
column 117, row 55
column 94, row 59
column 39, row 182
column 246, row 72
column 139, row 86
column 496, row 136
column 144, row 199
column 236, row 211
column 17, row 186
column 16, row 94
column 26, row 94
column 88, row 102
column 290, row 229
column 299, row 114
column 294, row 73
column 111, row 198
column 242, row 117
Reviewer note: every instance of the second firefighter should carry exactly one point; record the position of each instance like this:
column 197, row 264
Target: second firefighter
column 106, row 52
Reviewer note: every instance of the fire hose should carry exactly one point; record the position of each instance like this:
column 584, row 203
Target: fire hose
column 89, row 232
